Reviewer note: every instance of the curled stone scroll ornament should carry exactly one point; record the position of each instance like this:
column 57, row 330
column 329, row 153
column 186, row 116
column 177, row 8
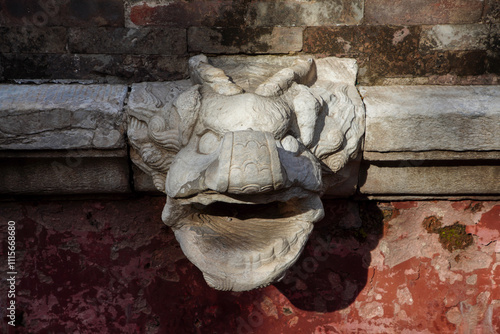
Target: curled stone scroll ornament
column 242, row 152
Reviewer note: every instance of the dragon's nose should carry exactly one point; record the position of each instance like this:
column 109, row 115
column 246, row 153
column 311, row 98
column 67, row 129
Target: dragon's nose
column 248, row 164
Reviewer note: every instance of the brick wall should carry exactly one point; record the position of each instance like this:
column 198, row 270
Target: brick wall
column 413, row 42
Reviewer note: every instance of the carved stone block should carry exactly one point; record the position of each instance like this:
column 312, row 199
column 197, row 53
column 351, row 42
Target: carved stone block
column 243, row 151
column 431, row 142
column 426, row 118
column 63, row 139
column 56, row 117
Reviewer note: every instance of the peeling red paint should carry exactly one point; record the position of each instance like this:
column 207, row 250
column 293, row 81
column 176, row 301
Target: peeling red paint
column 405, row 205
column 488, row 228
column 142, row 15
column 113, row 267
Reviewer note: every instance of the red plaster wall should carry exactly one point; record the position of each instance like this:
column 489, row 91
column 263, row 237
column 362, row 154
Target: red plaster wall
column 111, row 266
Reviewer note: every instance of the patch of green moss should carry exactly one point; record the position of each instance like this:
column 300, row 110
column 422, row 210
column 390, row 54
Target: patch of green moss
column 454, row 237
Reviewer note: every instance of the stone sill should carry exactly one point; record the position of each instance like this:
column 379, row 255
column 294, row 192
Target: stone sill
column 422, row 142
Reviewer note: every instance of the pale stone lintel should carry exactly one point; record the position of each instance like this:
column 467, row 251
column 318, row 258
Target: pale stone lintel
column 63, row 139
column 432, row 118
column 60, row 117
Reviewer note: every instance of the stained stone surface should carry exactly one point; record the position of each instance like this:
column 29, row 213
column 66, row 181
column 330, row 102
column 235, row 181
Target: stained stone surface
column 425, row 118
column 407, row 178
column 65, row 173
column 54, row 117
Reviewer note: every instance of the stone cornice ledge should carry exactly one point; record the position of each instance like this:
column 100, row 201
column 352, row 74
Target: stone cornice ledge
column 431, row 142
column 422, row 142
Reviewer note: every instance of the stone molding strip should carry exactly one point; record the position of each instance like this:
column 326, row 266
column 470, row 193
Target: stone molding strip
column 63, row 139
column 421, row 142
column 431, row 142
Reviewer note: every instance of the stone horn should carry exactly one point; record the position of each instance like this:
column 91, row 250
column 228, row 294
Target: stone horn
column 202, row 72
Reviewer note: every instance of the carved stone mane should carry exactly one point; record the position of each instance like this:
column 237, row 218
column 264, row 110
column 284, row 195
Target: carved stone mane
column 242, row 158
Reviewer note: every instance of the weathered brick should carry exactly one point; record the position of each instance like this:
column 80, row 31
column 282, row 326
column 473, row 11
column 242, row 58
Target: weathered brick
column 493, row 63
column 61, row 13
column 305, row 13
column 166, row 41
column 352, row 40
column 493, row 53
column 465, row 63
column 96, row 68
column 418, row 12
column 492, row 11
column 186, row 14
column 33, row 39
column 433, row 63
column 494, row 38
column 138, row 68
column 455, row 37
column 390, row 50
column 249, row 40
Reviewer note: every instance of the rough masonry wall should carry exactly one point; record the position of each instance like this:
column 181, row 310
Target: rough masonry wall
column 111, row 266
column 416, row 42
column 102, row 265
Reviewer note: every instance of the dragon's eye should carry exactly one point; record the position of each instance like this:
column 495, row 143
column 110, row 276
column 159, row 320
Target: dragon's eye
column 208, row 143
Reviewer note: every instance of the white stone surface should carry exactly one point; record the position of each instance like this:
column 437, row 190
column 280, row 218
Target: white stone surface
column 53, row 117
column 426, row 118
column 247, row 131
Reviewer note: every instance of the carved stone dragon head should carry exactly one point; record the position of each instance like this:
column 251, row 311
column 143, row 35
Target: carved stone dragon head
column 242, row 155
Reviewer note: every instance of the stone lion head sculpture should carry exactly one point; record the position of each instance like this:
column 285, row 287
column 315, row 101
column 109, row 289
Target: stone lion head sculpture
column 243, row 151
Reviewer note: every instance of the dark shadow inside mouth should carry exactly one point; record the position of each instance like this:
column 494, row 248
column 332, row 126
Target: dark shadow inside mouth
column 272, row 210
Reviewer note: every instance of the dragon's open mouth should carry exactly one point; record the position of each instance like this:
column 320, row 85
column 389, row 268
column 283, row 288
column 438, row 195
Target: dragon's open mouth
column 241, row 246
